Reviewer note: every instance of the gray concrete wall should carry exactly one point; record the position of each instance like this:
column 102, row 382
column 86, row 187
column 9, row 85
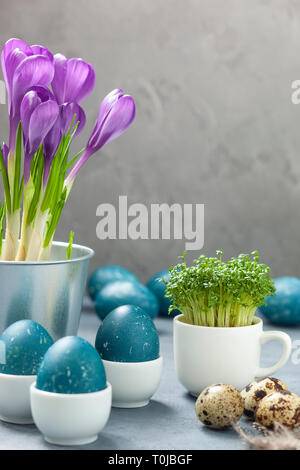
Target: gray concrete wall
column 214, row 125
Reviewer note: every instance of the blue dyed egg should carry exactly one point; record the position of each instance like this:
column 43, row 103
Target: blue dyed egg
column 284, row 308
column 71, row 365
column 119, row 293
column 23, row 345
column 128, row 334
column 157, row 286
column 106, row 274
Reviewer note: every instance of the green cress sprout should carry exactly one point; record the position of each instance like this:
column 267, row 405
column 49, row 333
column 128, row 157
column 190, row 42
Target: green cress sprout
column 212, row 292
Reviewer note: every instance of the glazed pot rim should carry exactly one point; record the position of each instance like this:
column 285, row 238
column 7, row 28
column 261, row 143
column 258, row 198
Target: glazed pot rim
column 89, row 254
column 258, row 322
column 70, row 396
column 134, row 364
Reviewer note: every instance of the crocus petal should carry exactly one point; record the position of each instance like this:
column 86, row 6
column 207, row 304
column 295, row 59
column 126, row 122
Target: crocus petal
column 34, row 70
column 59, row 80
column 68, row 111
column 5, row 151
column 41, row 121
column 41, row 50
column 33, row 98
column 105, row 108
column 52, row 139
column 80, row 80
column 43, row 93
column 114, row 124
column 13, row 60
column 8, row 47
column 51, row 143
column 30, row 101
column 73, row 81
column 108, row 103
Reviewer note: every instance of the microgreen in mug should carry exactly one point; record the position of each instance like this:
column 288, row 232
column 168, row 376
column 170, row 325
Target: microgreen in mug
column 45, row 93
column 215, row 293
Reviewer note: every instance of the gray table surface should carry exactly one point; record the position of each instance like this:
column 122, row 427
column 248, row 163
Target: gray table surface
column 169, row 421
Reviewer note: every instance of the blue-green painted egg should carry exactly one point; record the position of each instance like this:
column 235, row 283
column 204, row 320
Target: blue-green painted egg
column 106, row 274
column 23, row 346
column 284, row 308
column 157, row 286
column 119, row 293
column 71, row 365
column 128, row 334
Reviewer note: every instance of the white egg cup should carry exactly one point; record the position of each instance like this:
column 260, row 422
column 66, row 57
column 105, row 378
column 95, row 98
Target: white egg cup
column 15, row 398
column 133, row 383
column 70, row 419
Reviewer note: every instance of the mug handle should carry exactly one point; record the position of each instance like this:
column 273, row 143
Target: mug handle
column 286, row 350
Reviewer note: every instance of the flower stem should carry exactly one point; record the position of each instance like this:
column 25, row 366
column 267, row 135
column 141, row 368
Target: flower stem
column 37, row 236
column 11, row 236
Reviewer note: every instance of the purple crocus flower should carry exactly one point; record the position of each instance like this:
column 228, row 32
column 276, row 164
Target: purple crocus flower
column 38, row 112
column 23, row 67
column 13, row 52
column 115, row 115
column 73, row 81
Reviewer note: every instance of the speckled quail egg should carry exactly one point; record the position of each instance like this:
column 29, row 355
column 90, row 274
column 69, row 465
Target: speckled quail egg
column 257, row 390
column 282, row 407
column 218, row 405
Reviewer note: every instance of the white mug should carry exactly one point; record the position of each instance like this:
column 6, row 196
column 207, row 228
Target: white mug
column 206, row 355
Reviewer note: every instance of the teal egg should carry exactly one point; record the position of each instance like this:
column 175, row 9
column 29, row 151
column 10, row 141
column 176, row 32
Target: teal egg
column 71, row 365
column 23, row 346
column 284, row 308
column 106, row 274
column 119, row 293
column 128, row 334
column 157, row 286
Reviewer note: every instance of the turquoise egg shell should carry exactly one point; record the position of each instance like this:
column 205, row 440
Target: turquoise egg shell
column 106, row 274
column 119, row 293
column 156, row 285
column 25, row 343
column 128, row 334
column 284, row 308
column 71, row 365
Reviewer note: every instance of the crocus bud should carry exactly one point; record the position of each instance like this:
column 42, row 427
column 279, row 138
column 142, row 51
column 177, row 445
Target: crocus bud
column 115, row 115
column 39, row 112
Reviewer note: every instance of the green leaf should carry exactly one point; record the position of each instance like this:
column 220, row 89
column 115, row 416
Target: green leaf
column 70, row 163
column 58, row 171
column 69, row 249
column 37, row 177
column 5, row 182
column 17, row 172
column 55, row 216
column 2, row 218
